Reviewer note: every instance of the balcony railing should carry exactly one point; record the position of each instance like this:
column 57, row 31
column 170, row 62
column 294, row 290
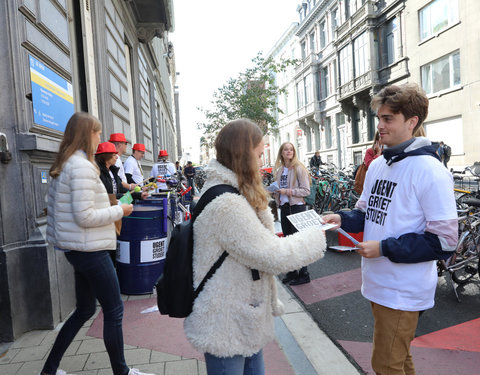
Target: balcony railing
column 309, row 60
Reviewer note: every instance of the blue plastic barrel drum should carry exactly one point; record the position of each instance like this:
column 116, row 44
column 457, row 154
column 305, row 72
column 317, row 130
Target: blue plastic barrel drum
column 142, row 247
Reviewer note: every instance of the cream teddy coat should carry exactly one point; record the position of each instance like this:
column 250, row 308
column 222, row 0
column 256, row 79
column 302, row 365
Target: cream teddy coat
column 233, row 315
column 79, row 215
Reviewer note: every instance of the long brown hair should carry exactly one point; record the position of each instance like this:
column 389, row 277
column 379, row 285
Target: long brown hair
column 280, row 162
column 234, row 145
column 77, row 136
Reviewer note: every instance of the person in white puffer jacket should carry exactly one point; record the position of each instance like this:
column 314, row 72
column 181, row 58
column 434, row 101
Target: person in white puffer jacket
column 232, row 318
column 80, row 222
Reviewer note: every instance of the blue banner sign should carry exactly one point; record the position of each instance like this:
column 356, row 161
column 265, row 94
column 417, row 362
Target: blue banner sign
column 52, row 96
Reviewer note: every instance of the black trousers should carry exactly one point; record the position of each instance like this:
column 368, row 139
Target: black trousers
column 287, row 226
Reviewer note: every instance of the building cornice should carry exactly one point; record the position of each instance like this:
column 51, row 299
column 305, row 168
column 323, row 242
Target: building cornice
column 312, row 16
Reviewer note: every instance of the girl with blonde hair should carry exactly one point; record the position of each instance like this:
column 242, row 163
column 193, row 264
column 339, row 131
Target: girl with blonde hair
column 294, row 183
column 232, row 317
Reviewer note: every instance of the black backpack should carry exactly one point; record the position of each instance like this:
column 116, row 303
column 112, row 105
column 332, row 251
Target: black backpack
column 175, row 292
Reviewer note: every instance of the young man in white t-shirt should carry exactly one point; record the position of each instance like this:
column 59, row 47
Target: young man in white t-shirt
column 163, row 169
column 408, row 215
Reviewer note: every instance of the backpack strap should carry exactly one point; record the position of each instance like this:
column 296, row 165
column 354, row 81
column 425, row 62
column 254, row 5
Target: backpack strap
column 209, row 196
column 205, row 199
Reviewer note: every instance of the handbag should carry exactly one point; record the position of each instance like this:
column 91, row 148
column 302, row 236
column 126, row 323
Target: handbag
column 360, row 178
column 118, row 224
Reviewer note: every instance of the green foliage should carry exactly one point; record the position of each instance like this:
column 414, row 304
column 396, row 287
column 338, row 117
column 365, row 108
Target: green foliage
column 253, row 95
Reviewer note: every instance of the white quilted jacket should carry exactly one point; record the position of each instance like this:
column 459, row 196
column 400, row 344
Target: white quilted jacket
column 79, row 213
column 233, row 315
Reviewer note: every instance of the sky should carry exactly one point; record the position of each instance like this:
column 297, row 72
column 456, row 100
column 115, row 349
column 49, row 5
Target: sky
column 215, row 40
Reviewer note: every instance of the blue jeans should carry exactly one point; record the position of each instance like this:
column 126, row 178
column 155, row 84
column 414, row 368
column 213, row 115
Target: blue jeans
column 236, row 365
column 95, row 278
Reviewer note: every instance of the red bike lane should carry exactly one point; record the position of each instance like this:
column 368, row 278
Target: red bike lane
column 448, row 336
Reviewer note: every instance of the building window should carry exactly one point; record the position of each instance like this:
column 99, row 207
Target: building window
column 346, row 10
column 357, row 158
column 312, row 43
column 449, row 131
column 372, row 124
column 345, row 59
column 355, row 125
column 334, row 20
column 323, row 35
column 307, row 86
column 361, row 54
column 392, row 40
column 334, row 78
column 328, row 132
column 340, row 118
column 300, row 95
column 441, row 74
column 303, row 48
column 437, row 16
column 325, row 82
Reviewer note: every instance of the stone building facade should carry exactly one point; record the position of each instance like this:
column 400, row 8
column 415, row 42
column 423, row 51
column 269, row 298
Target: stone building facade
column 111, row 58
column 349, row 49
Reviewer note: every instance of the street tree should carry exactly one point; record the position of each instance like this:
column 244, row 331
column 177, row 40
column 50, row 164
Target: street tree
column 253, row 95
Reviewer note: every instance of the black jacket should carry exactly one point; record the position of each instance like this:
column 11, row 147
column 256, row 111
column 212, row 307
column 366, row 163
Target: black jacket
column 315, row 161
column 107, row 181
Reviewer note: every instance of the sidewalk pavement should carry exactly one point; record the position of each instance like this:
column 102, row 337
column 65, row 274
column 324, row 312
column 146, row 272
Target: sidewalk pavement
column 157, row 344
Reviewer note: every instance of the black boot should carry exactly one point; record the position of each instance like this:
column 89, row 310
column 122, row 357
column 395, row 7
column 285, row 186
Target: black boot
column 303, row 277
column 290, row 276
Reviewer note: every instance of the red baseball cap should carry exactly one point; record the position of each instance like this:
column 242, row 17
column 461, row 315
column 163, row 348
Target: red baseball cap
column 117, row 137
column 106, row 147
column 139, row 147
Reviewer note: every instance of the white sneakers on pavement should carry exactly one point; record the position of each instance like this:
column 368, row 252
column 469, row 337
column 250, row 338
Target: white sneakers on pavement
column 136, row 371
column 59, row 372
column 133, row 371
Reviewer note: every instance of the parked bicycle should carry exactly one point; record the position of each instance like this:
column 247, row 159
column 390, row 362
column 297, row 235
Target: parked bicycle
column 464, row 263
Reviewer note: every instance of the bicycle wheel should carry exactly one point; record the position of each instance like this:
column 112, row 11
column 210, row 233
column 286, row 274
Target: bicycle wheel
column 466, row 260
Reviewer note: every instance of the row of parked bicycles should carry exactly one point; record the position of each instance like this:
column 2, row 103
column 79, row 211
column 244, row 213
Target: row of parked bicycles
column 331, row 188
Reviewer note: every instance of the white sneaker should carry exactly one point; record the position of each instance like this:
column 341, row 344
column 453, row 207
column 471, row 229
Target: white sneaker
column 136, row 371
column 62, row 372
column 59, row 372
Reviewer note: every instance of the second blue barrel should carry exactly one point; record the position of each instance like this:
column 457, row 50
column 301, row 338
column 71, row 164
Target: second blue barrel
column 142, row 247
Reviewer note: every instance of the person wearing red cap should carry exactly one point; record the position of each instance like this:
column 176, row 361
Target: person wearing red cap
column 120, row 142
column 163, row 169
column 106, row 157
column 133, row 168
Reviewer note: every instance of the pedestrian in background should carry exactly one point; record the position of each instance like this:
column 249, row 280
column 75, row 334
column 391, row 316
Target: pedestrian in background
column 232, row 318
column 316, row 161
column 189, row 173
column 178, row 167
column 294, row 182
column 80, row 223
column 133, row 168
column 371, row 154
column 407, row 228
column 162, row 170
column 375, row 151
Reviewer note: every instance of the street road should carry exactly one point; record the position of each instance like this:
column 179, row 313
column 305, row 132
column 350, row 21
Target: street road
column 447, row 337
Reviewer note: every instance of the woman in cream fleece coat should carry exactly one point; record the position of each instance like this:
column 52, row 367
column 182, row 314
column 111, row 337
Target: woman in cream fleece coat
column 232, row 318
column 80, row 223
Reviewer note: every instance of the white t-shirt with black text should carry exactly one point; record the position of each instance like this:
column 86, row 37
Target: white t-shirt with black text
column 400, row 199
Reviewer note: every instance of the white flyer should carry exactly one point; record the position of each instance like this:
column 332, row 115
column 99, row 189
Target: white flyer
column 307, row 219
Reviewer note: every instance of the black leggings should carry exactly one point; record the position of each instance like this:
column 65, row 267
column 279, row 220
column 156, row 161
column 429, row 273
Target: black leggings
column 287, row 226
